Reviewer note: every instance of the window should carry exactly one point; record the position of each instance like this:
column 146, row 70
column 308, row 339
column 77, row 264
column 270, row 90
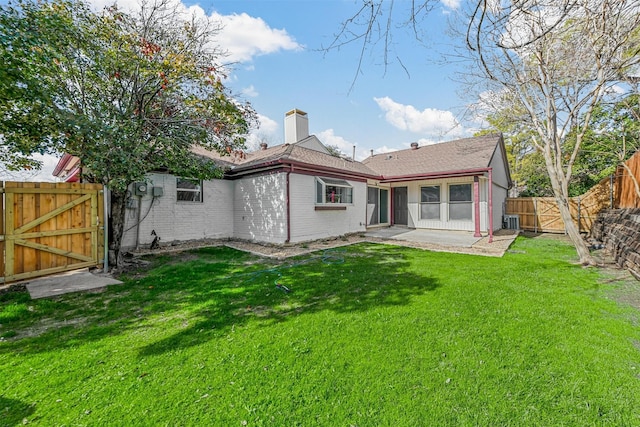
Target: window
column 188, row 190
column 331, row 190
column 460, row 202
column 430, row 202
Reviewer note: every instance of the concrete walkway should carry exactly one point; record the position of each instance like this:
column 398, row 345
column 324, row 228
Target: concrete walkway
column 72, row 281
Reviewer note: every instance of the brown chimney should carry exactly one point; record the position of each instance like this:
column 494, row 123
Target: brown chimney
column 414, row 145
column 263, row 145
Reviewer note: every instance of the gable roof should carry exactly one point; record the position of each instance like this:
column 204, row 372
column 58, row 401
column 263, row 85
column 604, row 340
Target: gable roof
column 445, row 158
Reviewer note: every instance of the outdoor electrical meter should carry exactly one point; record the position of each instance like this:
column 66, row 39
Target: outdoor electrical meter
column 140, row 188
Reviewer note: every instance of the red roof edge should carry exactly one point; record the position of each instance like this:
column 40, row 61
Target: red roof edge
column 66, row 158
column 446, row 174
column 74, row 175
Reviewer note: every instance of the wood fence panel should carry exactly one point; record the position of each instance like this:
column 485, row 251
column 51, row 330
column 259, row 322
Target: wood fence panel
column 626, row 196
column 541, row 214
column 50, row 228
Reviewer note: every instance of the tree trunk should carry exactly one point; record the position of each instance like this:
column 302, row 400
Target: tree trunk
column 572, row 231
column 116, row 226
column 561, row 194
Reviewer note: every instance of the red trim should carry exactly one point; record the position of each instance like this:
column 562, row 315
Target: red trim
column 476, row 206
column 73, row 176
column 331, row 208
column 66, row 158
column 448, row 174
column 328, row 175
column 490, row 205
column 354, row 176
column 312, row 169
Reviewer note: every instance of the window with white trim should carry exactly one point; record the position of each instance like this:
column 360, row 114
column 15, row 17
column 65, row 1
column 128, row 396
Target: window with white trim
column 460, row 202
column 430, row 202
column 333, row 191
column 188, row 190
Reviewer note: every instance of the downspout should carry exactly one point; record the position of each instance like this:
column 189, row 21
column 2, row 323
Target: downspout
column 288, row 202
column 490, row 205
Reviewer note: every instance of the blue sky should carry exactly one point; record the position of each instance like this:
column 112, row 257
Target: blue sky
column 383, row 110
column 279, row 64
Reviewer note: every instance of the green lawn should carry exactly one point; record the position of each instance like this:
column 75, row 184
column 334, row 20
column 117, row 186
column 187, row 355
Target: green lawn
column 370, row 335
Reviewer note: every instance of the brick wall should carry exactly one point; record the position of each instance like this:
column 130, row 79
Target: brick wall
column 619, row 230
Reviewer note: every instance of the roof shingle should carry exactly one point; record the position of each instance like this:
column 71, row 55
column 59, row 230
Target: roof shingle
column 445, row 157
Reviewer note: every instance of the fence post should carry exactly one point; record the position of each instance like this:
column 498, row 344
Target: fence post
column 535, row 215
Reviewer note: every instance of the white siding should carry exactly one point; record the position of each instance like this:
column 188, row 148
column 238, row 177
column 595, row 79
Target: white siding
column 260, row 208
column 499, row 169
column 313, row 143
column 413, row 190
column 178, row 221
column 309, row 224
column 499, row 197
column 500, row 187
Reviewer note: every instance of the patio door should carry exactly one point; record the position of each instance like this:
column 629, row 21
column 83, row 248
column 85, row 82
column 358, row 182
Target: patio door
column 400, row 206
column 377, row 206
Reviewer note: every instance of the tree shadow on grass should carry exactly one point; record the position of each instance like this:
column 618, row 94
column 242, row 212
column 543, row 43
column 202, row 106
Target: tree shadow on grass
column 13, row 412
column 349, row 280
column 203, row 294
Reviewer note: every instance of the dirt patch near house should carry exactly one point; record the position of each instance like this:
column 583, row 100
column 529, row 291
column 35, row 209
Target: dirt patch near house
column 502, row 239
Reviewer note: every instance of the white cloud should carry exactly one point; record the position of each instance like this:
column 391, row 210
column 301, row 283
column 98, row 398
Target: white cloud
column 268, row 132
column 250, row 91
column 242, row 36
column 451, row 4
column 328, row 137
column 428, row 121
column 245, row 37
column 45, row 174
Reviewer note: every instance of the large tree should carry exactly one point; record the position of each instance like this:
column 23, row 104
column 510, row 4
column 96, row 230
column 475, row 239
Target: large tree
column 554, row 60
column 128, row 93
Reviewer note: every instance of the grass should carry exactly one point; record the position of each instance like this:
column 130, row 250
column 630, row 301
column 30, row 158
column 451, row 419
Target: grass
column 370, row 335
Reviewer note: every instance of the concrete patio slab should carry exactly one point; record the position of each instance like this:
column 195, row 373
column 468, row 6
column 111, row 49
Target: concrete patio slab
column 72, row 281
column 436, row 237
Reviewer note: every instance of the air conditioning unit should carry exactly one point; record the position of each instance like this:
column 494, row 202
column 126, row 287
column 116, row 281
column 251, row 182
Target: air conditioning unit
column 511, row 222
column 140, row 188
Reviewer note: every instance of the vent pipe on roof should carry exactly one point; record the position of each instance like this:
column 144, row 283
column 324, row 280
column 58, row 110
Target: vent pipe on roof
column 371, row 153
column 414, row 145
column 353, row 157
column 296, row 126
column 263, row 145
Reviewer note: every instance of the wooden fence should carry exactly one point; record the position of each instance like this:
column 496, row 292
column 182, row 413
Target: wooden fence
column 49, row 228
column 625, row 195
column 541, row 214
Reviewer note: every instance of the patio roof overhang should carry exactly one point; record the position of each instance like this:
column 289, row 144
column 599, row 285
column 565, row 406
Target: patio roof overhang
column 436, row 175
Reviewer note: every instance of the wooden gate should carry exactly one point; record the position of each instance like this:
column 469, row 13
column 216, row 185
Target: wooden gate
column 50, row 228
